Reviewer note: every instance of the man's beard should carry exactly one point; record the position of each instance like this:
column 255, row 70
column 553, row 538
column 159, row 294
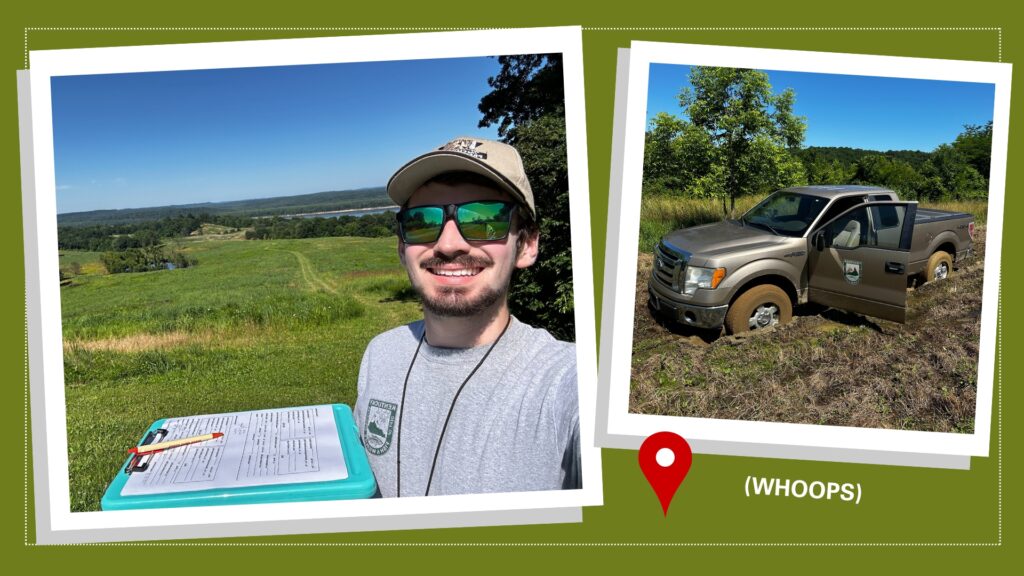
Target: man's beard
column 452, row 300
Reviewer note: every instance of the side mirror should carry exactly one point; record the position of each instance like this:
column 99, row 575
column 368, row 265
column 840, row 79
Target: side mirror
column 819, row 240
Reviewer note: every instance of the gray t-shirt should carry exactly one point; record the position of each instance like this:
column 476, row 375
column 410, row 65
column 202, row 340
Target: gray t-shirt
column 515, row 427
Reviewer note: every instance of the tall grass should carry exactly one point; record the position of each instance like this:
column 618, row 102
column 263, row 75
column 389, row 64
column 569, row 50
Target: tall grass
column 978, row 208
column 660, row 215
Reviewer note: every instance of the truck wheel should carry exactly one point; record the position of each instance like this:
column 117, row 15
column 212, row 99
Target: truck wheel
column 940, row 266
column 758, row 308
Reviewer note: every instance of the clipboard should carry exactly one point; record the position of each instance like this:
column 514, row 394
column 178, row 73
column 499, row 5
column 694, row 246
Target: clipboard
column 360, row 482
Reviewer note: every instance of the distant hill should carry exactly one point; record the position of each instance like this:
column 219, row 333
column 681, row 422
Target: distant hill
column 278, row 205
column 849, row 156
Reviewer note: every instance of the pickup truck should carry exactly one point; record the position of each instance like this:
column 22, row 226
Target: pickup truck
column 846, row 247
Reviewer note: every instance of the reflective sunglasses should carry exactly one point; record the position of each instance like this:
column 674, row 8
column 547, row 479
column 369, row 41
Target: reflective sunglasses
column 479, row 221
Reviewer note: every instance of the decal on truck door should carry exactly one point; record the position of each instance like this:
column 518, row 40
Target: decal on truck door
column 852, row 271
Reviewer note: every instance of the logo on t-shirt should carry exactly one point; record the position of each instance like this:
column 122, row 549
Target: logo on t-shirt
column 380, row 425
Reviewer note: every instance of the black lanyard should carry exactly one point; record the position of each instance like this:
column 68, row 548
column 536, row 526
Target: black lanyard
column 440, row 438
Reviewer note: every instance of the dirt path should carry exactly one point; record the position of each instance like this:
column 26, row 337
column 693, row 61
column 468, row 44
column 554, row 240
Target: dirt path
column 309, row 275
column 317, row 284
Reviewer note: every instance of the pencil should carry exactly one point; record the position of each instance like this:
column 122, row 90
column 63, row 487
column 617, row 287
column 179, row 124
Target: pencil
column 146, row 449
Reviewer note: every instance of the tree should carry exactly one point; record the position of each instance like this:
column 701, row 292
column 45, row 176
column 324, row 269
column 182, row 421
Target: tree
column 751, row 129
column 144, row 260
column 147, row 237
column 824, row 169
column 543, row 292
column 950, row 176
column 891, row 173
column 676, row 154
column 663, row 167
column 529, row 86
column 975, row 145
column 527, row 102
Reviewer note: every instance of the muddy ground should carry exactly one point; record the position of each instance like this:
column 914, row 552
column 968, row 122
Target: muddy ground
column 826, row 367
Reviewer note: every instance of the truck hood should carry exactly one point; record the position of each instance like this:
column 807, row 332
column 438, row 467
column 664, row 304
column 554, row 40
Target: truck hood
column 726, row 237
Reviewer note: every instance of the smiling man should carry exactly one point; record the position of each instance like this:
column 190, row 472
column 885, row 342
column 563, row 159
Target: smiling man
column 468, row 400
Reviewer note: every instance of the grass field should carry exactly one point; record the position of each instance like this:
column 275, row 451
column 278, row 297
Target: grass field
column 89, row 261
column 256, row 324
column 826, row 367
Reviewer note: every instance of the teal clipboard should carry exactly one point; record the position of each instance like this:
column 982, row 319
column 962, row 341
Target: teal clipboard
column 359, row 484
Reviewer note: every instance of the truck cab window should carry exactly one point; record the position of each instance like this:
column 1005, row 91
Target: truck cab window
column 849, row 231
column 887, row 225
column 841, row 205
column 785, row 213
column 867, row 226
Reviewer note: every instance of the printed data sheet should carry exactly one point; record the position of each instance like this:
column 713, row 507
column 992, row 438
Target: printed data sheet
column 283, row 446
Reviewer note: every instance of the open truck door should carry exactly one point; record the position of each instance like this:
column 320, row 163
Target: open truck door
column 858, row 260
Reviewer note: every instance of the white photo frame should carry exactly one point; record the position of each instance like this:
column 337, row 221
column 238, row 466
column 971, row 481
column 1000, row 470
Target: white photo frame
column 55, row 522
column 619, row 428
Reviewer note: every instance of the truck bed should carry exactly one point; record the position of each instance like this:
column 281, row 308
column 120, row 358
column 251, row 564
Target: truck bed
column 939, row 229
column 925, row 215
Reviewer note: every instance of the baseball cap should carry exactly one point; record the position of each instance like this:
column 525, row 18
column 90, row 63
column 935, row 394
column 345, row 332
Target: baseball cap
column 494, row 160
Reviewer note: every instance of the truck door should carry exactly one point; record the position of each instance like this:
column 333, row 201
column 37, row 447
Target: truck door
column 858, row 260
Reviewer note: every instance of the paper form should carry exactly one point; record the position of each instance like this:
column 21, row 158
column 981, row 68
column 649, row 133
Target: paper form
column 283, row 446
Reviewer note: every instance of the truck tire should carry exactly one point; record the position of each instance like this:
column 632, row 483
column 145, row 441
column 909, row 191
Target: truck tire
column 940, row 266
column 759, row 308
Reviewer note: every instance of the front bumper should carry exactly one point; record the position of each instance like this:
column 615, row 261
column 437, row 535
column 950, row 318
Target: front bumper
column 688, row 314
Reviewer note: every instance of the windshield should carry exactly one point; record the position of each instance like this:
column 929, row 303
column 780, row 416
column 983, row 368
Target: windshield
column 785, row 213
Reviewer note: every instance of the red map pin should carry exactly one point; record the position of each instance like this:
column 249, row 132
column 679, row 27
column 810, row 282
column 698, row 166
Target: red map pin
column 665, row 459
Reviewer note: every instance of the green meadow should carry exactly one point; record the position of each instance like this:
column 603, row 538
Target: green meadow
column 256, row 324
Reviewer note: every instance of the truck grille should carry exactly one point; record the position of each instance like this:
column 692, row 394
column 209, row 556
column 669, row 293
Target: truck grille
column 669, row 264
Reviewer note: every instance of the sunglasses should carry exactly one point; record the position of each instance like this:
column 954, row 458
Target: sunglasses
column 479, row 221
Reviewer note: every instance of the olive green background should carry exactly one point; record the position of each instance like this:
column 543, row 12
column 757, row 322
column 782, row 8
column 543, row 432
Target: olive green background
column 951, row 520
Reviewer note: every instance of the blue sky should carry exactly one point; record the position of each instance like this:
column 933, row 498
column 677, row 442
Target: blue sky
column 161, row 138
column 858, row 111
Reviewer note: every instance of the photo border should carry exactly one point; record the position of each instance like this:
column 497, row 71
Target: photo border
column 55, row 522
column 620, row 429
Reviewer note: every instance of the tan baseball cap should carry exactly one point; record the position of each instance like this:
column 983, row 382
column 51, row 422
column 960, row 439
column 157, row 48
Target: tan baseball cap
column 496, row 161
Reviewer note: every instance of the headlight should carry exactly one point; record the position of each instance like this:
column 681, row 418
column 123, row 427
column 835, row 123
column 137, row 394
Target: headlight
column 702, row 278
